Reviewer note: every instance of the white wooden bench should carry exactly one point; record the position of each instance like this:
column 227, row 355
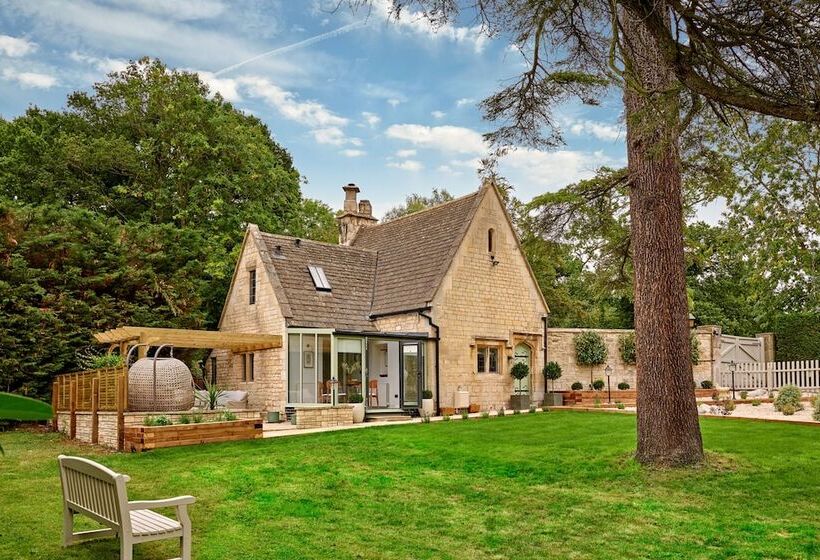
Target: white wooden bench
column 92, row 490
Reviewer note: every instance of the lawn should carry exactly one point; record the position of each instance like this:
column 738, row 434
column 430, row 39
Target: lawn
column 554, row 485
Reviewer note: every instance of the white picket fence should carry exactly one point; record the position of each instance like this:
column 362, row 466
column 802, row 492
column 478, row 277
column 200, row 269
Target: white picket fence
column 773, row 375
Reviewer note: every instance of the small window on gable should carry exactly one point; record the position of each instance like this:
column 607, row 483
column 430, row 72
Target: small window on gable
column 491, row 240
column 251, row 287
column 320, row 280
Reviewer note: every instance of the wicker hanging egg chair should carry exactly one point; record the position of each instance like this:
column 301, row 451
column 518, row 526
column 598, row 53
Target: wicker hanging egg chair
column 160, row 385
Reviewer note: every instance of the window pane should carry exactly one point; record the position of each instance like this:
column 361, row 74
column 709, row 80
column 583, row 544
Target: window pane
column 294, row 355
column 323, row 365
column 493, row 360
column 252, row 287
column 250, row 367
column 308, row 368
column 349, row 352
column 482, row 358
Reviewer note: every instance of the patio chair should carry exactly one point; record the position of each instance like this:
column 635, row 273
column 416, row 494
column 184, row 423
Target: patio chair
column 373, row 392
column 97, row 492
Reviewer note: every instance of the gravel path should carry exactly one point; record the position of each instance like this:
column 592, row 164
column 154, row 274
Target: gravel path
column 767, row 411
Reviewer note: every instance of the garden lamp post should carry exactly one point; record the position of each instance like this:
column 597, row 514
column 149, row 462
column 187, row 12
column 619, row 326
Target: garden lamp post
column 732, row 368
column 608, row 372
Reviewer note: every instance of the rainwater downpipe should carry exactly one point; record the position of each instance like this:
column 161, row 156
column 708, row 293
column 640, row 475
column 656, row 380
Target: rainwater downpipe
column 436, row 340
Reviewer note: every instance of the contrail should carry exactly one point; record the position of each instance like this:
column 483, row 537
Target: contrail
column 288, row 48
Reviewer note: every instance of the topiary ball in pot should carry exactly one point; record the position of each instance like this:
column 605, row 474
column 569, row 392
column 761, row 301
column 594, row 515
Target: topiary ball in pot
column 577, row 386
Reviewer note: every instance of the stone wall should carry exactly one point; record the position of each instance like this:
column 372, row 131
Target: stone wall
column 323, row 416
column 107, row 422
column 488, row 300
column 561, row 349
column 267, row 391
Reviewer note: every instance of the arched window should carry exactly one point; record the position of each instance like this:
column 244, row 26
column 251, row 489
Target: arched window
column 491, row 240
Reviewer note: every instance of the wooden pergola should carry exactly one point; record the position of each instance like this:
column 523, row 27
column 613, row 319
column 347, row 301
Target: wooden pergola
column 238, row 342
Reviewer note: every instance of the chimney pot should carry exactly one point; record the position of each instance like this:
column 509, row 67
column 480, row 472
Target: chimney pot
column 365, row 208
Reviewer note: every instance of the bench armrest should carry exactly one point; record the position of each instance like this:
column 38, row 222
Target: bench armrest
column 168, row 502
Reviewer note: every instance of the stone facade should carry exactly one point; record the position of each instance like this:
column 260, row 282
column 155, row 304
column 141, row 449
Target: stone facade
column 267, row 390
column 488, row 298
column 323, row 416
column 561, row 349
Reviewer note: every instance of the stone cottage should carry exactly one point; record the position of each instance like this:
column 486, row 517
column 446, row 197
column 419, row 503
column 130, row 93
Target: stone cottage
column 442, row 300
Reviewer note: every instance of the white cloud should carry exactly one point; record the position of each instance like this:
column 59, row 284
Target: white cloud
column 334, row 136
column 602, row 131
column 415, row 22
column 182, row 10
column 16, row 46
column 372, row 119
column 533, row 171
column 353, row 153
column 438, row 114
column 30, row 79
column 105, row 64
column 405, row 153
column 465, row 101
column 407, row 165
column 445, row 138
column 228, row 88
column 393, row 101
column 309, row 113
column 448, row 170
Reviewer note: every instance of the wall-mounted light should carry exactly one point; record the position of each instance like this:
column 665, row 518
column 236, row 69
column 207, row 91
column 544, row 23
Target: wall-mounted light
column 494, row 261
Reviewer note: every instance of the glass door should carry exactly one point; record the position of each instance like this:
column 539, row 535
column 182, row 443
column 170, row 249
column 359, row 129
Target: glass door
column 411, row 367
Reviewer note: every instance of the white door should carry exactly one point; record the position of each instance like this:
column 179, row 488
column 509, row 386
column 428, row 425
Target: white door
column 523, row 355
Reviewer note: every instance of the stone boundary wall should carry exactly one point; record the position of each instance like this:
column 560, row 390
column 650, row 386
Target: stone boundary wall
column 323, row 416
column 561, row 349
column 107, row 434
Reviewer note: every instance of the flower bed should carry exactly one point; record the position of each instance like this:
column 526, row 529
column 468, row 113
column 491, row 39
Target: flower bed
column 143, row 438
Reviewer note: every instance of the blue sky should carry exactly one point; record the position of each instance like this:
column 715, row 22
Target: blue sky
column 390, row 106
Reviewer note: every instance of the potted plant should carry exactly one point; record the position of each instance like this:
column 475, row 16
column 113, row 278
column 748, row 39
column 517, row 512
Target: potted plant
column 552, row 371
column 357, row 400
column 519, row 371
column 427, row 403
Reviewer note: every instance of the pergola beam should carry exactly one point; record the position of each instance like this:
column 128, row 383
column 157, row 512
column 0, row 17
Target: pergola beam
column 189, row 338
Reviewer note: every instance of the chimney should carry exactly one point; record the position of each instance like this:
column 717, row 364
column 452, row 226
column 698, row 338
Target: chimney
column 351, row 191
column 355, row 215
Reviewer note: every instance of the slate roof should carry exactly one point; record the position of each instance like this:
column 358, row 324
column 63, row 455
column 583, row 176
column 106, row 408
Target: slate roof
column 415, row 252
column 390, row 268
column 350, row 272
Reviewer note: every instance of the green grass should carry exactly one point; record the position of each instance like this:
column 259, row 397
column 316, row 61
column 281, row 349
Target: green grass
column 557, row 485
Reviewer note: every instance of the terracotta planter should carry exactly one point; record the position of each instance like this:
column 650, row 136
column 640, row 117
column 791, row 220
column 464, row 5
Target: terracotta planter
column 358, row 413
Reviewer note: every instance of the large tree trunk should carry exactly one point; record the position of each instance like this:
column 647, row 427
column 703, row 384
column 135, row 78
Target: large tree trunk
column 668, row 429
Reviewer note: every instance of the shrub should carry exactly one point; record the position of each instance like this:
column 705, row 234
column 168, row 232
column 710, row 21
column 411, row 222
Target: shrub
column 425, row 419
column 598, row 384
column 485, row 414
column 789, row 395
column 212, row 394
column 715, row 396
column 755, row 402
column 729, row 406
column 626, row 347
column 427, row 394
column 552, row 371
column 356, row 398
column 227, row 416
column 816, row 414
column 597, row 403
column 533, row 410
column 788, row 409
column 501, row 411
column 620, row 405
column 184, row 419
column 706, row 384
column 197, row 418
column 577, row 386
column 694, row 349
column 516, row 411
column 157, row 421
column 465, row 414
column 797, row 336
column 446, row 418
column 623, row 385
column 590, row 349
column 743, row 395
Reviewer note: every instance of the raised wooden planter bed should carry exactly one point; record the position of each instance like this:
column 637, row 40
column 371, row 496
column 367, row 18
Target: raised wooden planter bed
column 143, row 438
column 627, row 397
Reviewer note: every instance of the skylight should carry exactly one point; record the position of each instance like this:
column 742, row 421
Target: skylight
column 319, row 278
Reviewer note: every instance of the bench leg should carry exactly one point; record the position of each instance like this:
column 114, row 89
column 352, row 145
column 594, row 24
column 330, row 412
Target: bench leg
column 126, row 549
column 185, row 542
column 68, row 527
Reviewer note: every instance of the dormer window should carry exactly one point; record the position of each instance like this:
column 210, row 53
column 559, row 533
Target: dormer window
column 320, row 280
column 491, row 241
